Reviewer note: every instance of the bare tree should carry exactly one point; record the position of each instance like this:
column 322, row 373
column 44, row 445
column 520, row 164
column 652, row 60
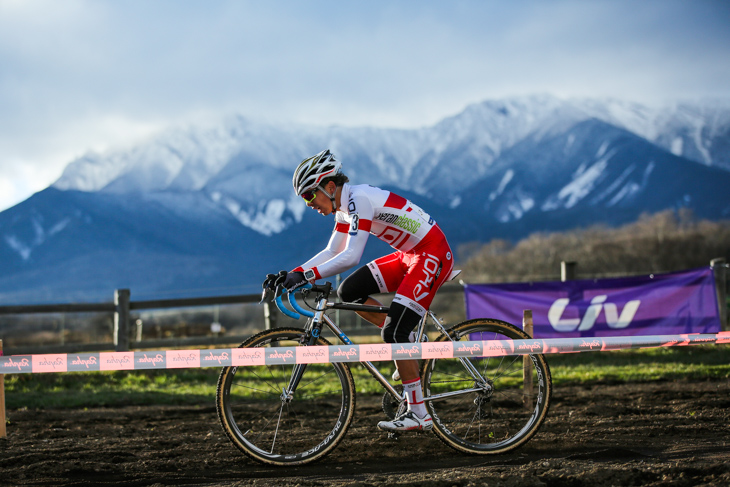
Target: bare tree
column 663, row 242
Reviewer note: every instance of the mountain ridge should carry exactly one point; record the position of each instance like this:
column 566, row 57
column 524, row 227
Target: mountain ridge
column 219, row 199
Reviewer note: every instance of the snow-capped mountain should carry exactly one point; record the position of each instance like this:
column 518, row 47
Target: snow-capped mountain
column 245, row 167
column 204, row 208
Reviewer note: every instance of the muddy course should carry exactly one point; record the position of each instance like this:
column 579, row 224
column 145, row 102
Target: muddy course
column 659, row 433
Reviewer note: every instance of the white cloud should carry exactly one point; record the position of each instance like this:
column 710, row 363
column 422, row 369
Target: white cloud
column 77, row 75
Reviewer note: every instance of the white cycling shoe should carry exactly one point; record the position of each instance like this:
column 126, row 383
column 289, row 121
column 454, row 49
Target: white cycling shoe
column 412, row 338
column 407, row 421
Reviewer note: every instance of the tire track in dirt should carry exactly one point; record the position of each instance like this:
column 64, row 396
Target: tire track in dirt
column 602, row 434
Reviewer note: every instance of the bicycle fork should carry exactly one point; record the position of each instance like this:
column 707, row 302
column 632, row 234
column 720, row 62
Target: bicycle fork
column 287, row 393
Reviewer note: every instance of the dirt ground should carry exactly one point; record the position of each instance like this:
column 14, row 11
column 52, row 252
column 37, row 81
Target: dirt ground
column 664, row 433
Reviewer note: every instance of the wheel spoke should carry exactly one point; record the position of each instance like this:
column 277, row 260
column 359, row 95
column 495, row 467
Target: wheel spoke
column 271, row 423
column 487, row 415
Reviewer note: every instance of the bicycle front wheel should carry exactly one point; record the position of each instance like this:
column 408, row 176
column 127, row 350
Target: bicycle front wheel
column 484, row 405
column 275, row 427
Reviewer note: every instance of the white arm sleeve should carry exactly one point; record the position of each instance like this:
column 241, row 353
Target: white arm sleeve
column 347, row 243
column 334, row 247
column 349, row 257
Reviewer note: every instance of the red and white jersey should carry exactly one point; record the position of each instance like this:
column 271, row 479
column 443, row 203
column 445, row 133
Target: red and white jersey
column 364, row 210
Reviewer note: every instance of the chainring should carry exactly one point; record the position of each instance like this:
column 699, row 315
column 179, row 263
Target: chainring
column 391, row 407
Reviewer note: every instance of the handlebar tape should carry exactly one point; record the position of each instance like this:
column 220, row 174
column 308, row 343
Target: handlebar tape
column 293, row 302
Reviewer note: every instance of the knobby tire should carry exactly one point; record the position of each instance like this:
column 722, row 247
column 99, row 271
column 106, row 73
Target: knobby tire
column 271, row 429
column 498, row 418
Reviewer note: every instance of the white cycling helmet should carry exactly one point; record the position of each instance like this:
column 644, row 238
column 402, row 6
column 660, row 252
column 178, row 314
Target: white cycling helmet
column 310, row 172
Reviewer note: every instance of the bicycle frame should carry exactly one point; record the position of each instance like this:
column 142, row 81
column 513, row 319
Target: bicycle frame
column 319, row 318
column 478, row 405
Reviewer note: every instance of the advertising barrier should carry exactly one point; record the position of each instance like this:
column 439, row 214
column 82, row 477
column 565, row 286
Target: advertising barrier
column 657, row 304
column 242, row 357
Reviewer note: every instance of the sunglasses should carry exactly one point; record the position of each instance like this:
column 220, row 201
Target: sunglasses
column 309, row 195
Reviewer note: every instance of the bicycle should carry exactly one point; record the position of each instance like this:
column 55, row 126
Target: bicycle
column 478, row 404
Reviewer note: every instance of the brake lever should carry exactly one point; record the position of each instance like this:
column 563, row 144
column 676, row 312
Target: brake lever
column 266, row 293
column 280, row 290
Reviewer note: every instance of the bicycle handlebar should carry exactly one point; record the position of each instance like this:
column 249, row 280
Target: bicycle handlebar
column 293, row 302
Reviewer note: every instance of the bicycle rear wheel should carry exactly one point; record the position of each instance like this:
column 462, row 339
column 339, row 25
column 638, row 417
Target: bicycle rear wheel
column 275, row 429
column 495, row 413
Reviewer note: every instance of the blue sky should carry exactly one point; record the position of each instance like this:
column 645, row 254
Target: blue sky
column 82, row 75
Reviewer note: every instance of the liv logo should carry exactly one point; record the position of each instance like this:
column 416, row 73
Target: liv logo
column 598, row 304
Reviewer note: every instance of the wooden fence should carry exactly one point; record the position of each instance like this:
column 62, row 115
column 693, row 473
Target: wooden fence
column 121, row 308
column 123, row 305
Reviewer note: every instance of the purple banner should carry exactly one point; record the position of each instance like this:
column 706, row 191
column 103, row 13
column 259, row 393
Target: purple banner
column 658, row 304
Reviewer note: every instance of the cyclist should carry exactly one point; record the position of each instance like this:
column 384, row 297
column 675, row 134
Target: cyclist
column 421, row 263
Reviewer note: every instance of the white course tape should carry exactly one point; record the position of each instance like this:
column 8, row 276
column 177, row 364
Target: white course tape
column 174, row 359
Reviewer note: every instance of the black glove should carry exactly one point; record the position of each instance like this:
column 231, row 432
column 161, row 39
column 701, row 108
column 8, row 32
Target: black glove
column 269, row 282
column 292, row 280
column 269, row 285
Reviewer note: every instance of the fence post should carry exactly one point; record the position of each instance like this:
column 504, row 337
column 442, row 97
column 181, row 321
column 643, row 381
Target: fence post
column 719, row 266
column 121, row 320
column 269, row 317
column 3, row 432
column 527, row 363
column 567, row 271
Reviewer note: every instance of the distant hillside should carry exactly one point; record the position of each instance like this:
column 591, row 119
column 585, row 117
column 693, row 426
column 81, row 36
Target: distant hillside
column 663, row 242
column 203, row 211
